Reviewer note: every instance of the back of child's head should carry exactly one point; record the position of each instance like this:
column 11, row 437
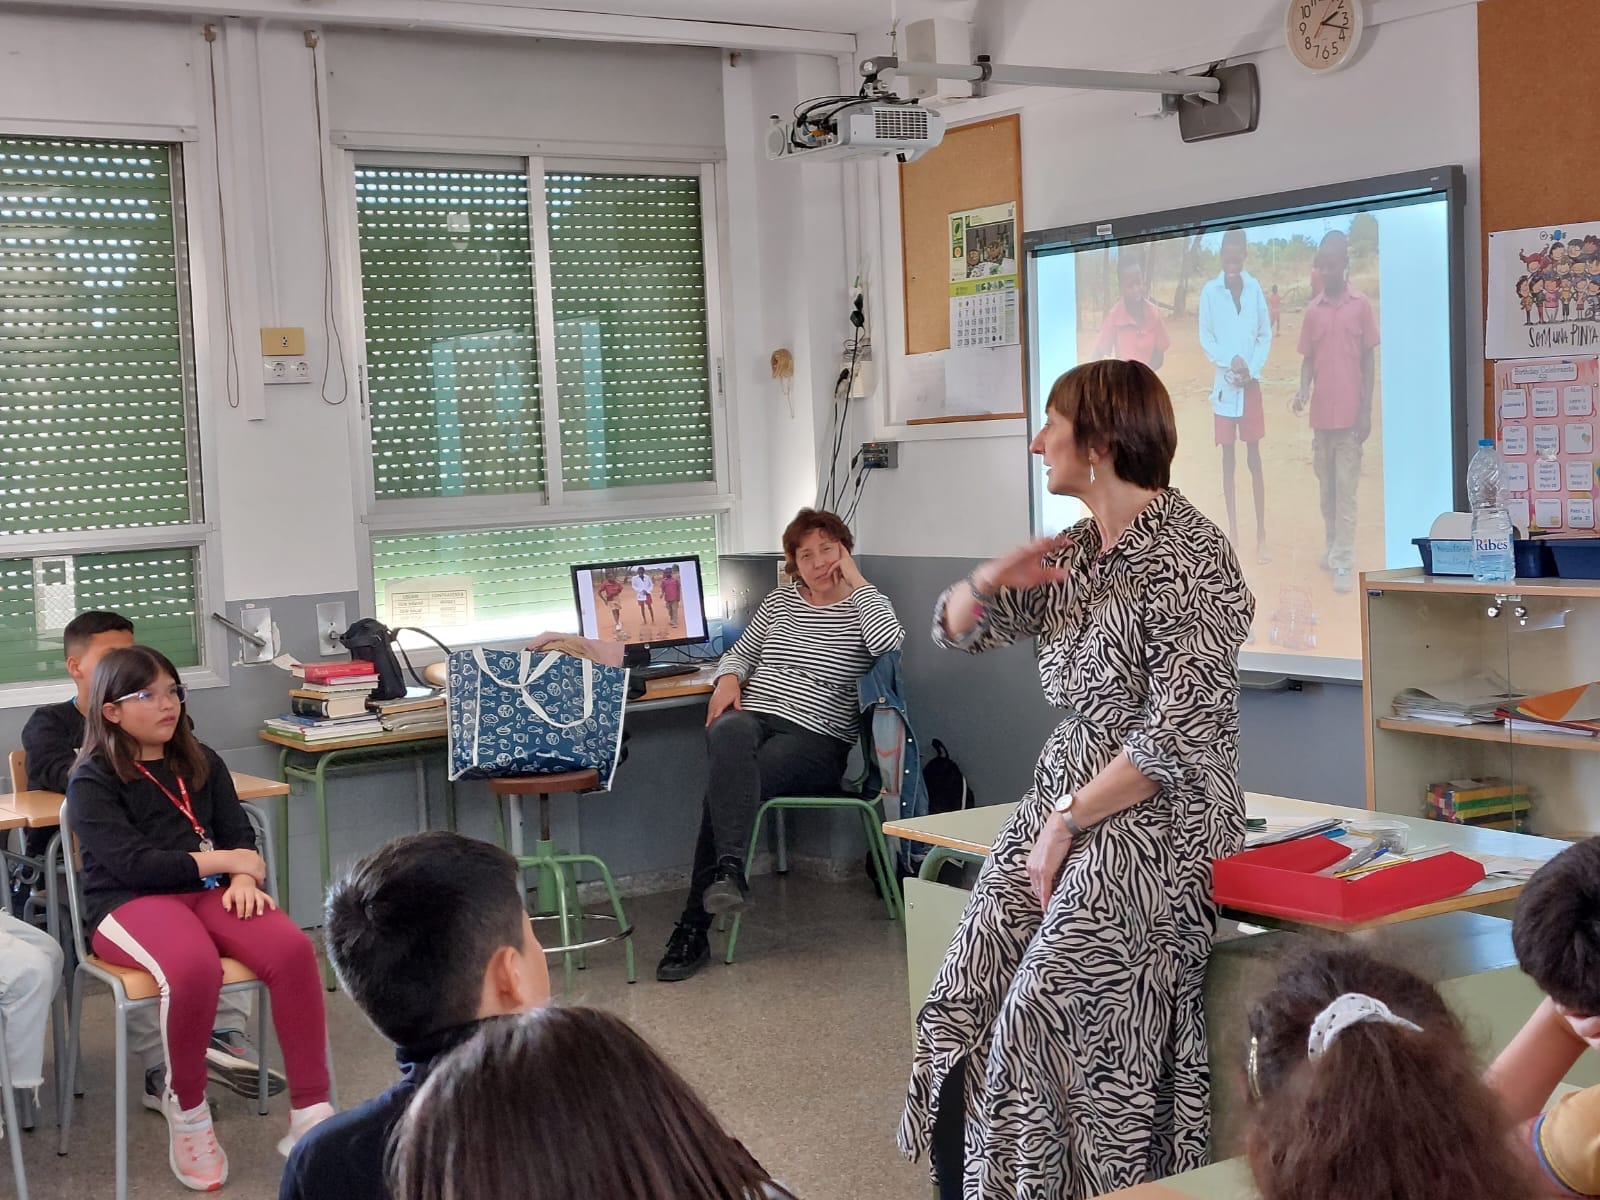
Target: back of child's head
column 412, row 927
column 565, row 1102
column 1557, row 928
column 1363, row 1085
column 118, row 680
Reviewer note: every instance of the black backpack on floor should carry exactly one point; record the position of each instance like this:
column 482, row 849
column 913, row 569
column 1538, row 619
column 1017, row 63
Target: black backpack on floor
column 947, row 786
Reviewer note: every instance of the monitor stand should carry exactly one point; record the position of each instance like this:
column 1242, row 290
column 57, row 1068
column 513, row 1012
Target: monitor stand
column 636, row 658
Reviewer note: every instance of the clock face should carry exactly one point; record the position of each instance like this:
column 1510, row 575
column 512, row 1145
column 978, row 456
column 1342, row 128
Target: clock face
column 1323, row 34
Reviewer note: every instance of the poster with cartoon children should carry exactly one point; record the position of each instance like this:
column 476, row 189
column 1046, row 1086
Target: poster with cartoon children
column 1544, row 292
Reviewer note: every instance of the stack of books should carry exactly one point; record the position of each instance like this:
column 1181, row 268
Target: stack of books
column 1488, row 803
column 1574, row 712
column 419, row 711
column 329, row 703
column 1471, row 701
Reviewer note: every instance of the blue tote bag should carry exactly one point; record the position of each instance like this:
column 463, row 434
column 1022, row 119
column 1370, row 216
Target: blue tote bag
column 522, row 712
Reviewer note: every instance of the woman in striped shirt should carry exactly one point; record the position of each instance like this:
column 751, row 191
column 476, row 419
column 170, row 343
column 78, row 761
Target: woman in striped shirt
column 784, row 714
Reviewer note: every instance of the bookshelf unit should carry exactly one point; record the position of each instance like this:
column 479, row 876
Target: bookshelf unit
column 1537, row 634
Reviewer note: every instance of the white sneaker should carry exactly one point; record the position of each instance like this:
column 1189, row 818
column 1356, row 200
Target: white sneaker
column 192, row 1149
column 301, row 1122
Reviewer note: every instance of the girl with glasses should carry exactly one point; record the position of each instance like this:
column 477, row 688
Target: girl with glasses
column 171, row 881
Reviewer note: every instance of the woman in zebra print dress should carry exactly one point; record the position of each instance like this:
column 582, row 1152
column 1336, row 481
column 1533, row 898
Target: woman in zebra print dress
column 1064, row 1038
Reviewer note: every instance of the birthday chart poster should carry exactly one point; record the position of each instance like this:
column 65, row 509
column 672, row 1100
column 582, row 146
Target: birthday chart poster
column 1545, row 417
column 1544, row 292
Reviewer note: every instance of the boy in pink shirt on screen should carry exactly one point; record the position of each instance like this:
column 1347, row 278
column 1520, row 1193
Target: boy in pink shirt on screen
column 1133, row 330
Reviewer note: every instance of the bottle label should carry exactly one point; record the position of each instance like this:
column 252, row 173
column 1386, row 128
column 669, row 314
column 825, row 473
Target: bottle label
column 1490, row 545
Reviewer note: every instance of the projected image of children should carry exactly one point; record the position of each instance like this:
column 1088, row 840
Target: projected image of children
column 1267, row 340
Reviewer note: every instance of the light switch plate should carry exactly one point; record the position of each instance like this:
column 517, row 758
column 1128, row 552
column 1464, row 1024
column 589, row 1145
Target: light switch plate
column 330, row 620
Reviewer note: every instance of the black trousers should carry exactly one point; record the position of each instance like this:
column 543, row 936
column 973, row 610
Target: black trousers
column 949, row 1132
column 754, row 757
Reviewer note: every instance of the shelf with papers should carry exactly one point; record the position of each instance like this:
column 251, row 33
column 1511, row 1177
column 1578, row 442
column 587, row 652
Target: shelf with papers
column 1491, row 733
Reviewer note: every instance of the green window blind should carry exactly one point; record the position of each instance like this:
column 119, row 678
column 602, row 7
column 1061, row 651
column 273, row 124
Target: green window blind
column 627, row 267
column 94, row 406
column 447, row 292
column 155, row 589
column 525, row 572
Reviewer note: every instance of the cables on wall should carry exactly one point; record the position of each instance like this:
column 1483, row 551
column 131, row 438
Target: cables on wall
column 333, row 338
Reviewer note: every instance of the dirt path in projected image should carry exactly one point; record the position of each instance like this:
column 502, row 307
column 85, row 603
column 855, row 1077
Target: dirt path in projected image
column 635, row 628
column 1295, row 533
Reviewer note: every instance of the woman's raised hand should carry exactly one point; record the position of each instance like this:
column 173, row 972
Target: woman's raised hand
column 1020, row 569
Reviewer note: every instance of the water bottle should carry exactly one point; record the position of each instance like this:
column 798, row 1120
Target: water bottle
column 1492, row 559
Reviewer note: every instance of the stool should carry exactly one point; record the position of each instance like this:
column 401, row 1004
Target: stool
column 558, row 886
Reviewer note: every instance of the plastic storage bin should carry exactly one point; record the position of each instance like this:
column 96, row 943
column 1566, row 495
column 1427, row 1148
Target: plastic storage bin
column 1534, row 557
column 1576, row 558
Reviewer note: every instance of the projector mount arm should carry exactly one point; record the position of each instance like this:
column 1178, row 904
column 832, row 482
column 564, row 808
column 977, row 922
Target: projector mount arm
column 882, row 70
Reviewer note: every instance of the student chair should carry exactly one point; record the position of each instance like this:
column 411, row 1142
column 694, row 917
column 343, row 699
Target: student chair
column 557, row 879
column 17, row 760
column 860, row 795
column 12, row 1123
column 132, row 988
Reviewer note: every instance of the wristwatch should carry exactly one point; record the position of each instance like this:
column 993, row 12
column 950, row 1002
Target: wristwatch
column 1064, row 807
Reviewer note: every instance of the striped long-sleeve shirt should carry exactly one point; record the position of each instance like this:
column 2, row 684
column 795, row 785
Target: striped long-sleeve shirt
column 801, row 662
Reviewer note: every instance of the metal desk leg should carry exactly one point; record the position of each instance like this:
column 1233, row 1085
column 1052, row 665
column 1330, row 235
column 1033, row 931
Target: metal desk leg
column 328, row 981
column 420, row 770
column 514, row 840
column 449, row 801
column 281, row 819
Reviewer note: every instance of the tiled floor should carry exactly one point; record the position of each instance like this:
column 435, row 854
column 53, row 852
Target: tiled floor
column 801, row 1048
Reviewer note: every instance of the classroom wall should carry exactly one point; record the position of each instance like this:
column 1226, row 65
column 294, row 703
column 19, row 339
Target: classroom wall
column 284, row 463
column 957, row 499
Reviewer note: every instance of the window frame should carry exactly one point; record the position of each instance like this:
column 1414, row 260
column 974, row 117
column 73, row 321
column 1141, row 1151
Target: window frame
column 553, row 505
column 203, row 338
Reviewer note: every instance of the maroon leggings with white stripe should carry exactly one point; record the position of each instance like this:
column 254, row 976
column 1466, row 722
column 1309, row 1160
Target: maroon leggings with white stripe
column 180, row 939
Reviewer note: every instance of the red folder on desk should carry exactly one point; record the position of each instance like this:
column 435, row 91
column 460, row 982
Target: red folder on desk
column 1282, row 881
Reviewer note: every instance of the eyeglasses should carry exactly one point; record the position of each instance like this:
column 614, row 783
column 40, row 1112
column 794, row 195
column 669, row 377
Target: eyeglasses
column 178, row 695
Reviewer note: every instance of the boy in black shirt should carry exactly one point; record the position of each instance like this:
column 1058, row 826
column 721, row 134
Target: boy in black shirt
column 429, row 937
column 51, row 739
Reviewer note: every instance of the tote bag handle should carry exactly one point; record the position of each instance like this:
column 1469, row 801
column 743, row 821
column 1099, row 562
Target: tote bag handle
column 527, row 673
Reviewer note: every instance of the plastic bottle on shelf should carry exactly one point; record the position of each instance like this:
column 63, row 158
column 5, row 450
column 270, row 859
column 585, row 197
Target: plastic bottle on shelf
column 1492, row 557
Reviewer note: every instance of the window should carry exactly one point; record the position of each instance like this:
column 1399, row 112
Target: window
column 100, row 497
column 539, row 358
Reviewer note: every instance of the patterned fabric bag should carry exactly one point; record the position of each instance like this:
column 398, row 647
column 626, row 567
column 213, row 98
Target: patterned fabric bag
column 532, row 713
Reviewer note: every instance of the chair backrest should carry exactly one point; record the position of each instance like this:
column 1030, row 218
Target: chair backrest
column 67, row 847
column 18, row 762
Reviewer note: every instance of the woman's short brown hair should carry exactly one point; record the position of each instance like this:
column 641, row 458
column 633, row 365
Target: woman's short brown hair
column 1122, row 410
column 812, row 520
column 1385, row 1111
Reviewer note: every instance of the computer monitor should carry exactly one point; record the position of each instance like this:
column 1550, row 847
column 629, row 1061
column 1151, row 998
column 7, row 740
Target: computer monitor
column 642, row 604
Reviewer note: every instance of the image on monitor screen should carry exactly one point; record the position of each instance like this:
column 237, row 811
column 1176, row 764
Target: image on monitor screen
column 658, row 602
column 1310, row 344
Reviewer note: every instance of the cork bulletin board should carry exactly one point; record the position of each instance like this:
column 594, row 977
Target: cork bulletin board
column 976, row 165
column 1534, row 170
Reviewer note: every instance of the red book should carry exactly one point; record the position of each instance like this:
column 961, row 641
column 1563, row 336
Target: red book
column 339, row 672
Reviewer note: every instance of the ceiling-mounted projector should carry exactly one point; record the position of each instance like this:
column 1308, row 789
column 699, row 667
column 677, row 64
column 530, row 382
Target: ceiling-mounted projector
column 863, row 128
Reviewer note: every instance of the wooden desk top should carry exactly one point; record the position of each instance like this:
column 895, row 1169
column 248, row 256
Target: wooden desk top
column 42, row 810
column 974, row 831
column 673, row 687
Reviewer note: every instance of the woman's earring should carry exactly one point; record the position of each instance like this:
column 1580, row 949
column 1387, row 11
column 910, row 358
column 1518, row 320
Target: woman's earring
column 1091, row 472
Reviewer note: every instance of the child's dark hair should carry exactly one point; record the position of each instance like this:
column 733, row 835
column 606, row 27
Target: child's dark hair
column 565, row 1102
column 120, row 673
column 412, row 927
column 1385, row 1110
column 1557, row 928
column 85, row 626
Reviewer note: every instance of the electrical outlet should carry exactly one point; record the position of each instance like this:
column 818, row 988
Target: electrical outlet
column 331, row 621
column 878, row 456
column 279, row 369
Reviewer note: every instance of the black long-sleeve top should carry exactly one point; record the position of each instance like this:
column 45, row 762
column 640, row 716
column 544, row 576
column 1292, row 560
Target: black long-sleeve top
column 133, row 841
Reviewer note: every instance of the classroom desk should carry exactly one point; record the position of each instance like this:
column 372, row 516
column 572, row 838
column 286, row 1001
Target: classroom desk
column 1463, row 948
column 973, row 831
column 361, row 752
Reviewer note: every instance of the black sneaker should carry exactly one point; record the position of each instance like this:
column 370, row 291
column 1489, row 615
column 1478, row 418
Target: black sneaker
column 729, row 893
column 155, row 1082
column 233, row 1061
column 688, row 949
